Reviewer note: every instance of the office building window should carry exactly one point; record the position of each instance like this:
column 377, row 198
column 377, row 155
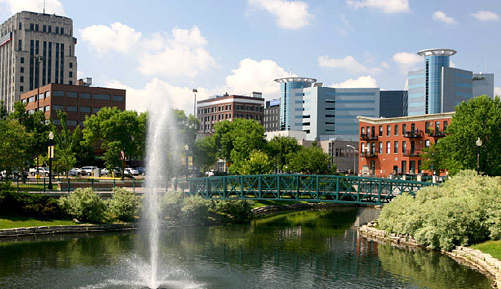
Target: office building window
column 62, row 30
column 101, row 97
column 21, row 88
column 71, row 94
column 57, row 30
column 21, row 79
column 71, row 64
column 32, row 27
column 404, row 127
column 84, row 109
column 22, row 59
column 20, row 26
column 84, row 96
column 388, row 147
column 19, row 44
column 395, row 147
column 22, row 69
column 380, row 147
column 117, row 98
column 58, row 93
column 36, row 27
column 445, row 125
column 44, row 28
column 71, row 108
column 50, row 29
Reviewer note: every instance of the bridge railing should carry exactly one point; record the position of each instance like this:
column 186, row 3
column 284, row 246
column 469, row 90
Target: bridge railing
column 313, row 188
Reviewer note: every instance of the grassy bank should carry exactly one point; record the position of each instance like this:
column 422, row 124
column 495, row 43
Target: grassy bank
column 492, row 248
column 7, row 222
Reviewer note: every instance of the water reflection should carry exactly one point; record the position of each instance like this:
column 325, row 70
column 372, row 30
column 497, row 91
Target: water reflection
column 310, row 249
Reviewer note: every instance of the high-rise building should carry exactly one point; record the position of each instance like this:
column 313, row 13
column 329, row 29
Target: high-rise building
column 291, row 101
column 483, row 84
column 272, row 115
column 392, row 103
column 440, row 88
column 35, row 50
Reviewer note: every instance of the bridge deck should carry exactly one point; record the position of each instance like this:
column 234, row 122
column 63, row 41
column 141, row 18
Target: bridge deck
column 309, row 188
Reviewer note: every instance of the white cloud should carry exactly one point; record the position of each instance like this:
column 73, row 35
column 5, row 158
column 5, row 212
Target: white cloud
column 183, row 54
column 349, row 63
column 116, row 37
column 497, row 91
column 485, row 15
column 407, row 60
column 442, row 17
column 361, row 82
column 289, row 14
column 252, row 75
column 51, row 6
column 387, row 6
column 142, row 99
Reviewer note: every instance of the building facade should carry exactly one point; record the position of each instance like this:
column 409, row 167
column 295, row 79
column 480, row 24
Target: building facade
column 392, row 103
column 272, row 115
column 228, row 107
column 35, row 50
column 77, row 101
column 291, row 101
column 483, row 84
column 394, row 146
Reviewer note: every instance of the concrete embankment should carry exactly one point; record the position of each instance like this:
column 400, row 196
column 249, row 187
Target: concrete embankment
column 52, row 230
column 484, row 263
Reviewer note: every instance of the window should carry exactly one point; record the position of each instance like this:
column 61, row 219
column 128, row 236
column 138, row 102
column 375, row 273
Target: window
column 21, row 79
column 388, row 130
column 395, row 130
column 44, row 28
column 32, row 99
column 404, row 146
column 84, row 109
column 36, row 27
column 50, row 29
column 117, row 98
column 62, row 30
column 363, row 130
column 32, row 27
column 395, row 147
column 380, row 147
column 71, row 64
column 84, row 96
column 47, row 94
column 22, row 69
column 22, row 59
column 57, row 30
column 380, row 130
column 404, row 127
column 47, row 108
column 21, row 88
column 427, row 127
column 71, row 108
column 57, row 107
column 445, row 125
column 20, row 26
column 388, row 147
column 437, row 126
column 101, row 97
column 71, row 74
column 362, row 147
column 71, row 94
column 58, row 93
column 427, row 143
column 19, row 44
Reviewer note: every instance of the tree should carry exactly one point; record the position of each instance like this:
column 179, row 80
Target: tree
column 64, row 156
column 310, row 160
column 235, row 140
column 204, row 153
column 120, row 134
column 84, row 153
column 14, row 146
column 479, row 117
column 257, row 164
column 3, row 110
column 281, row 149
column 187, row 127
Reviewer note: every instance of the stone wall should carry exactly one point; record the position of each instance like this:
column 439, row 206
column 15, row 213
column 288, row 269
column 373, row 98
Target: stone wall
column 475, row 259
column 51, row 230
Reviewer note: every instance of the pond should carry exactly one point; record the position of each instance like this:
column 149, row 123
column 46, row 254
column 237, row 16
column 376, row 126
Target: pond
column 308, row 249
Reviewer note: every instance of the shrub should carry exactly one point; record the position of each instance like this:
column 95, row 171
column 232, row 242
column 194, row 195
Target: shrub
column 123, row 205
column 195, row 209
column 462, row 211
column 29, row 205
column 85, row 205
column 232, row 211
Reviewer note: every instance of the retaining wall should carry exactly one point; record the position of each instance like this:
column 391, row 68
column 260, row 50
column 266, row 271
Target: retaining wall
column 51, row 230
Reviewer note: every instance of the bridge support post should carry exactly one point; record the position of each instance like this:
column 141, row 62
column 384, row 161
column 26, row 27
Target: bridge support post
column 278, row 186
column 316, row 188
column 337, row 188
column 224, row 189
column 241, row 186
column 379, row 188
column 260, row 186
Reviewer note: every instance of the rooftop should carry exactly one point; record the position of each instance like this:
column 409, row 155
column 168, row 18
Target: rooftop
column 437, row 52
column 376, row 120
column 295, row 79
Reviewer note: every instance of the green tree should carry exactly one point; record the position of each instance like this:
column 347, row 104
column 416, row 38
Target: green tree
column 311, row 160
column 187, row 127
column 235, row 140
column 281, row 149
column 3, row 110
column 257, row 164
column 116, row 132
column 14, row 146
column 84, row 153
column 64, row 156
column 204, row 153
column 479, row 117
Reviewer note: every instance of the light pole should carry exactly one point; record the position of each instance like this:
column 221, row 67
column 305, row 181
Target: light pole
column 479, row 144
column 354, row 158
column 51, row 155
column 195, row 102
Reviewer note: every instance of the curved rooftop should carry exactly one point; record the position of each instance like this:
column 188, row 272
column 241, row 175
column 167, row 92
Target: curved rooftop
column 295, row 79
column 437, row 52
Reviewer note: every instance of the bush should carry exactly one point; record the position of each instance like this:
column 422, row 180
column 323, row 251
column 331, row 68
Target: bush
column 85, row 205
column 232, row 211
column 462, row 211
column 195, row 209
column 123, row 206
column 29, row 205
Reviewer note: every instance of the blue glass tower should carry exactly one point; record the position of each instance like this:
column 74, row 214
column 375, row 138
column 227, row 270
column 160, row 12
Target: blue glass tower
column 291, row 101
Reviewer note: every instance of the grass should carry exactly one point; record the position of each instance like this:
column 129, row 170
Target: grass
column 22, row 222
column 264, row 203
column 490, row 247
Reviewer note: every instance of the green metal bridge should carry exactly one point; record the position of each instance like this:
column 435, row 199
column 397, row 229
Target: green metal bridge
column 308, row 188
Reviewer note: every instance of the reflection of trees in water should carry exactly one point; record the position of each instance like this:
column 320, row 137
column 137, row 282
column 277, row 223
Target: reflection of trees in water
column 429, row 269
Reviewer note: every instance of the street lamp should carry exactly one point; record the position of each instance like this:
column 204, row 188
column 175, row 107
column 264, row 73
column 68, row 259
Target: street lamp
column 354, row 158
column 51, row 155
column 195, row 102
column 479, row 144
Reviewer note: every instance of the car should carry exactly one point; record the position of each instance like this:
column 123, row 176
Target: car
column 41, row 171
column 131, row 172
column 104, row 171
column 88, row 170
column 75, row 172
column 141, row 170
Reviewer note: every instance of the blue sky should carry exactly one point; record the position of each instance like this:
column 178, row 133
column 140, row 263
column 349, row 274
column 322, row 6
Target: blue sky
column 166, row 48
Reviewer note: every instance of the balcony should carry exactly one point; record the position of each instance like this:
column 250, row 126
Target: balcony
column 413, row 133
column 436, row 133
column 412, row 154
column 369, row 155
column 367, row 137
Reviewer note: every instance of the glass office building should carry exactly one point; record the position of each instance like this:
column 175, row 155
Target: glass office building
column 291, row 101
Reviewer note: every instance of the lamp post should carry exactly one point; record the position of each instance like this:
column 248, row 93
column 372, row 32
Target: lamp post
column 195, row 102
column 479, row 144
column 51, row 155
column 354, row 158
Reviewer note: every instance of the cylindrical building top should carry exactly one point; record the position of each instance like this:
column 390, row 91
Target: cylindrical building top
column 295, row 79
column 437, row 52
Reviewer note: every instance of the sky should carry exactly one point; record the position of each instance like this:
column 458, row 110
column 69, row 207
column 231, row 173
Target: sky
column 165, row 48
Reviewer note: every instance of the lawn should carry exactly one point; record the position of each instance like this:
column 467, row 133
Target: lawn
column 490, row 247
column 18, row 222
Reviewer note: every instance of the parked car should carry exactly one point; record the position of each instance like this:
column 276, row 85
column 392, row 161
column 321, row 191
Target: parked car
column 104, row 171
column 131, row 172
column 41, row 171
column 141, row 170
column 88, row 170
column 75, row 172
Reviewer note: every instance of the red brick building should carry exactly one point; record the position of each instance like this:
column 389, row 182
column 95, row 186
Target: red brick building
column 77, row 101
column 229, row 107
column 393, row 146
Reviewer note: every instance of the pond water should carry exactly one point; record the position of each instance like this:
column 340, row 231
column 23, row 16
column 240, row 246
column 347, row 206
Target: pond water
column 309, row 249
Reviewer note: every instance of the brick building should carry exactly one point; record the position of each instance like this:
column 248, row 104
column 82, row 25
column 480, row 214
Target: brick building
column 229, row 107
column 77, row 101
column 393, row 146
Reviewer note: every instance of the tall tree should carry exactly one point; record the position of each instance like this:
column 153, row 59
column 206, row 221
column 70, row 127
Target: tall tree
column 14, row 146
column 84, row 153
column 64, row 156
column 311, row 160
column 478, row 118
column 120, row 134
column 281, row 149
column 257, row 164
column 204, row 153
